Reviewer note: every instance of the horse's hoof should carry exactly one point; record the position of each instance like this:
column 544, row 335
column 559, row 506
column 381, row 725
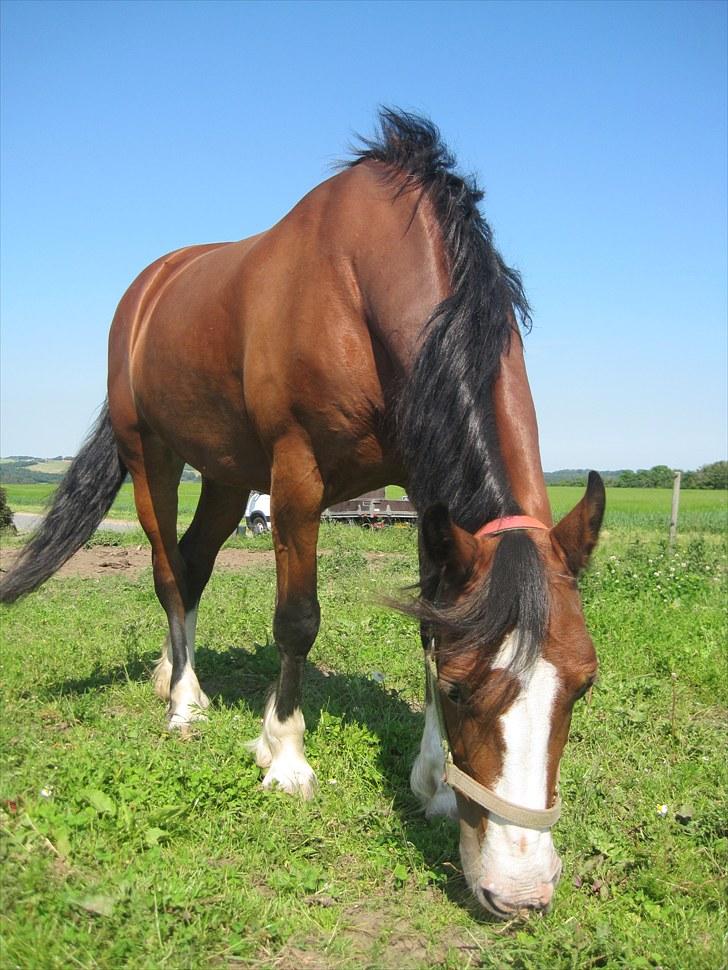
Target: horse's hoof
column 179, row 720
column 295, row 779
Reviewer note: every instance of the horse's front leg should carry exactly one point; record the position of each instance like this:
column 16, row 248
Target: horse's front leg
column 296, row 494
column 427, row 778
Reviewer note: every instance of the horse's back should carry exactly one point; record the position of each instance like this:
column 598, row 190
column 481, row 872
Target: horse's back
column 227, row 348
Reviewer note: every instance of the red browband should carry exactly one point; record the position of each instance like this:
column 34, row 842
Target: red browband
column 509, row 522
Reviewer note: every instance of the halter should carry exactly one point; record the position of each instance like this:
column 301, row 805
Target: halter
column 507, row 523
column 529, row 818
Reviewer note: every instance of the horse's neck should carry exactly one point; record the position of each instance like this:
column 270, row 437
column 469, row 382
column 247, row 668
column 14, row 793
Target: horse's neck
column 515, row 414
column 397, row 314
column 403, row 273
column 515, row 418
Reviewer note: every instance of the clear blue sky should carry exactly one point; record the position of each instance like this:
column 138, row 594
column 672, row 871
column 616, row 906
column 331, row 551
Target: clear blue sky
column 597, row 129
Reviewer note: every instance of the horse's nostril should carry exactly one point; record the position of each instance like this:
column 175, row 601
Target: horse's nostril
column 491, row 903
column 546, row 894
column 539, row 902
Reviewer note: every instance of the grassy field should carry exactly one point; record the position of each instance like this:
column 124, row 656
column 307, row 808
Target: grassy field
column 628, row 509
column 34, row 498
column 125, row 847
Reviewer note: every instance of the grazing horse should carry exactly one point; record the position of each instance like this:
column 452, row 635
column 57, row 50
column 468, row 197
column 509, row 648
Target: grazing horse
column 370, row 337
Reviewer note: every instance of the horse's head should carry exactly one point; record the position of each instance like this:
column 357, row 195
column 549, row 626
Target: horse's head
column 513, row 656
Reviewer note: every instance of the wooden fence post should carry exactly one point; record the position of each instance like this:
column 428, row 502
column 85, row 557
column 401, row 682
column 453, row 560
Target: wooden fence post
column 675, row 506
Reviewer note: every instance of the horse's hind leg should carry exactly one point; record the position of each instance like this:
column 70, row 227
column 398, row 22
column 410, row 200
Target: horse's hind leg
column 155, row 472
column 296, row 495
column 218, row 512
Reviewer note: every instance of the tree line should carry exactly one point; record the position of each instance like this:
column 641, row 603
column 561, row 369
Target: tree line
column 714, row 475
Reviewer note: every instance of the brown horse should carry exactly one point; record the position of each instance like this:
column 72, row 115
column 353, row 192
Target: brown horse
column 369, row 337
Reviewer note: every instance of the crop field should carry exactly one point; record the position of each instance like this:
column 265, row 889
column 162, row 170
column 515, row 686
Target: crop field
column 124, row 846
column 51, row 467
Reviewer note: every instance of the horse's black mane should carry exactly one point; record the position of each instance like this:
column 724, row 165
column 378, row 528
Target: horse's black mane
column 445, row 419
column 445, row 423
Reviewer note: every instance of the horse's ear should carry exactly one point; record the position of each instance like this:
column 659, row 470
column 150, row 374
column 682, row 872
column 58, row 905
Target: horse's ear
column 451, row 549
column 577, row 533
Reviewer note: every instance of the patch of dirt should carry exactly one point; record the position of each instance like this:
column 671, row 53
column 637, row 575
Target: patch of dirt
column 100, row 561
column 97, row 562
column 376, row 936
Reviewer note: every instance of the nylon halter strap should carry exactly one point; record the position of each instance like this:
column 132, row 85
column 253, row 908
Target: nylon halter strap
column 529, row 818
column 508, row 523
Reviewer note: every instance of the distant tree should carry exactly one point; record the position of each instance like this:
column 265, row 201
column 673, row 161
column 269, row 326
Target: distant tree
column 6, row 514
column 627, row 479
column 712, row 476
column 660, row 476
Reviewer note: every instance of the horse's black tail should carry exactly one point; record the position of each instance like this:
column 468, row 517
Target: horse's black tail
column 80, row 502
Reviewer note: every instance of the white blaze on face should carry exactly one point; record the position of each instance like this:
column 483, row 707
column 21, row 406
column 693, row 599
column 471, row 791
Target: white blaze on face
column 519, row 866
column 526, row 727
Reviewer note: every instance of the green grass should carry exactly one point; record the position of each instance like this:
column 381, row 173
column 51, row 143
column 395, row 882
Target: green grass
column 125, row 847
column 34, row 498
column 628, row 509
column 648, row 509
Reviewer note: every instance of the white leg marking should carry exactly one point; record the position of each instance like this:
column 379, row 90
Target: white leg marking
column 162, row 674
column 187, row 700
column 280, row 749
column 426, row 777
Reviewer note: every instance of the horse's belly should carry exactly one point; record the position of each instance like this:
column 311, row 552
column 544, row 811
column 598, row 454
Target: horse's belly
column 201, row 416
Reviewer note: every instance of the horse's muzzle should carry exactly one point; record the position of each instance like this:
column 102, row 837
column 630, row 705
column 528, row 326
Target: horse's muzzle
column 506, row 906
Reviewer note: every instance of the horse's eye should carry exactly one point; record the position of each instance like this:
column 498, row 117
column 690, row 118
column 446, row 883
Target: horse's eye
column 455, row 692
column 584, row 690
